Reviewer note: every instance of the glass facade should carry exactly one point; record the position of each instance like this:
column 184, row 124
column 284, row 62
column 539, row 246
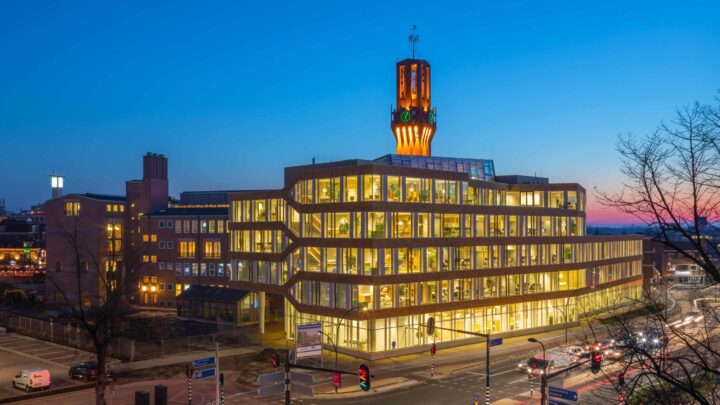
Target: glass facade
column 392, row 246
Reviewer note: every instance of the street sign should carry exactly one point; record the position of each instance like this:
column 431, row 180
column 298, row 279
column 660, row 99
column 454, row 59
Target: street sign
column 270, row 390
column 496, row 342
column 206, row 362
column 337, row 380
column 208, row 372
column 301, row 378
column 555, row 402
column 301, row 389
column 271, row 378
column 562, row 393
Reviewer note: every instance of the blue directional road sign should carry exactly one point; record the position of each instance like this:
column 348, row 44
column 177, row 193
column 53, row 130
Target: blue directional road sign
column 208, row 372
column 206, row 362
column 495, row 342
column 554, row 402
column 717, row 381
column 562, row 393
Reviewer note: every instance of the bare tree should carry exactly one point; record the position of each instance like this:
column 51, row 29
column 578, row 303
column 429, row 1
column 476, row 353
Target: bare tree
column 673, row 184
column 659, row 361
column 116, row 271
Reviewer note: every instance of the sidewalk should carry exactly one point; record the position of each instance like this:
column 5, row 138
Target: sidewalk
column 183, row 358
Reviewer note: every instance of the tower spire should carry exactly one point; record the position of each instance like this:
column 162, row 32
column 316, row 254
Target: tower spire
column 414, row 121
column 413, row 39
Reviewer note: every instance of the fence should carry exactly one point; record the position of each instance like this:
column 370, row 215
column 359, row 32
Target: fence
column 68, row 333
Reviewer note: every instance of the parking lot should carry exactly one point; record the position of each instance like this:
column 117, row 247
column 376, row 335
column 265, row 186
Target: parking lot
column 20, row 352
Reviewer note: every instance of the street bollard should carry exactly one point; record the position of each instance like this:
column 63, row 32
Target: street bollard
column 142, row 398
column 161, row 394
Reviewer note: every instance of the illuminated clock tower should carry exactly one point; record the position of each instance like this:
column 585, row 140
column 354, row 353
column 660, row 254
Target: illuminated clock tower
column 413, row 122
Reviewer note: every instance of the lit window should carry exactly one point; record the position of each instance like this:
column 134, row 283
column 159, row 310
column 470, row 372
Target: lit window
column 72, row 208
column 145, row 238
column 153, row 238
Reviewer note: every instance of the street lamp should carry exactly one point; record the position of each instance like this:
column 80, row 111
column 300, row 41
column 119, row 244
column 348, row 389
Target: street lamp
column 337, row 330
column 564, row 312
column 543, row 378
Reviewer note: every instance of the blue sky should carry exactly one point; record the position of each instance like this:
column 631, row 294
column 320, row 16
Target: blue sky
column 233, row 92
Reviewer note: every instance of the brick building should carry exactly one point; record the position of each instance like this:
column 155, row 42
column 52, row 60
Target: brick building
column 179, row 243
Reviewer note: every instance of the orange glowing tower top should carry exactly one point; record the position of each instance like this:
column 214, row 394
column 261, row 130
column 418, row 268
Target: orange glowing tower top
column 413, row 121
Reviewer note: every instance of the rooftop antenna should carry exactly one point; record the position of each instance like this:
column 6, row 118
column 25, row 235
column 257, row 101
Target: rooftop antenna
column 413, row 38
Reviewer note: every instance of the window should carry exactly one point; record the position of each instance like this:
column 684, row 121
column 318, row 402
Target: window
column 186, row 249
column 372, row 187
column 351, row 189
column 161, row 245
column 161, row 223
column 203, row 269
column 161, row 266
column 153, row 238
column 72, row 208
column 393, row 188
column 178, row 226
column 169, row 245
column 211, row 269
column 417, row 190
column 146, row 238
column 212, row 249
column 203, row 226
column 114, row 237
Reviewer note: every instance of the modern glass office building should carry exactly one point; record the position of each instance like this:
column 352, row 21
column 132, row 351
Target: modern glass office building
column 379, row 246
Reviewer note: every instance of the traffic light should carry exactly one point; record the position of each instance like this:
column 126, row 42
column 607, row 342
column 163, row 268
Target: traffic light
column 275, row 360
column 188, row 371
column 433, row 349
column 222, row 379
column 364, row 377
column 595, row 362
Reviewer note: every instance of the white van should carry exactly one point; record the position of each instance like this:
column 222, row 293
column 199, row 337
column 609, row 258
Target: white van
column 32, row 379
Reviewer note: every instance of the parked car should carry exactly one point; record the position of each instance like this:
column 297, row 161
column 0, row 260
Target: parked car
column 32, row 379
column 86, row 371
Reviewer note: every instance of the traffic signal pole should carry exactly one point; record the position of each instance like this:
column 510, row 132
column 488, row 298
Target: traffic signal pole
column 431, row 329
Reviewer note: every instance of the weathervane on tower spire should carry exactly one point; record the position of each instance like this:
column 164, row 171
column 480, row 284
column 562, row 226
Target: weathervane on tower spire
column 413, row 38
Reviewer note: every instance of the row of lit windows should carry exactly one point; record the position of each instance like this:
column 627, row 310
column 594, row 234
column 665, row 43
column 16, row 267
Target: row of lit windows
column 375, row 187
column 114, row 208
column 195, row 269
column 194, row 226
column 428, row 225
column 211, row 249
column 72, row 208
column 373, row 261
column 399, row 332
column 435, row 292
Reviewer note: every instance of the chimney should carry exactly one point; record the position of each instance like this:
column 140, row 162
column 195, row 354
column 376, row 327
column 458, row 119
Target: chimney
column 154, row 166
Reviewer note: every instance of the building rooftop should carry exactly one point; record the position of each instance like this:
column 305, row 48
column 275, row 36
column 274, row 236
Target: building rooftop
column 104, row 197
column 213, row 294
column 190, row 211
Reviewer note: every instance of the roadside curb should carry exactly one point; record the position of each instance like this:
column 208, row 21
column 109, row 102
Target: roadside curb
column 379, row 390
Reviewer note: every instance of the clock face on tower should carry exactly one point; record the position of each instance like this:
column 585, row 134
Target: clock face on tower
column 405, row 116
